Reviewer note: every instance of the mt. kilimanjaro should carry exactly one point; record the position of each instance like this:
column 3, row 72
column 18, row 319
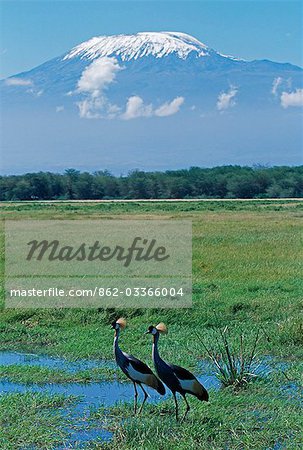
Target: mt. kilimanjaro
column 151, row 101
column 138, row 45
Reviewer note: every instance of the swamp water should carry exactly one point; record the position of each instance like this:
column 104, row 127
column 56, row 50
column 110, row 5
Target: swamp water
column 90, row 395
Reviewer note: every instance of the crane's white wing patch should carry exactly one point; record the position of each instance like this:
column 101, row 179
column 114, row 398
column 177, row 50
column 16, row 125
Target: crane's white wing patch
column 138, row 376
column 187, row 385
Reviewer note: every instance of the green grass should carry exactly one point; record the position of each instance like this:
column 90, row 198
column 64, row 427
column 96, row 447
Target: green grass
column 247, row 272
column 257, row 418
column 32, row 421
column 24, row 374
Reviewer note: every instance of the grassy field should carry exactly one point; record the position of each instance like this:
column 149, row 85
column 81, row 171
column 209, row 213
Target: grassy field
column 247, row 272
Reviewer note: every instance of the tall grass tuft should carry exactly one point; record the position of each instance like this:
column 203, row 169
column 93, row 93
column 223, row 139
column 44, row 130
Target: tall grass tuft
column 234, row 367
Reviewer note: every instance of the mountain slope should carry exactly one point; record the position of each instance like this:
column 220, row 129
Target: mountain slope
column 158, row 100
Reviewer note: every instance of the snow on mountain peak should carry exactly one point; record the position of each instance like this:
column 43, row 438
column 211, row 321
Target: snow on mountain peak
column 134, row 46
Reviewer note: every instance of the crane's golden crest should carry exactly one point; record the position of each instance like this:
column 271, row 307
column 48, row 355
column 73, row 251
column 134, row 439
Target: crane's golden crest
column 122, row 322
column 162, row 328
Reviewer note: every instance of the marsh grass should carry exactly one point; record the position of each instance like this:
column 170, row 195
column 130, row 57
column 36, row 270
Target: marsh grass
column 246, row 266
column 234, row 366
column 32, row 420
column 19, row 373
column 255, row 419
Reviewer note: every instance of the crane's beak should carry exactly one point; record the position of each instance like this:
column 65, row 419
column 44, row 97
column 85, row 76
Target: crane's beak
column 146, row 332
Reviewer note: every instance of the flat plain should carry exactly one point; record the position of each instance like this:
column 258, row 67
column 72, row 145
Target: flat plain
column 247, row 276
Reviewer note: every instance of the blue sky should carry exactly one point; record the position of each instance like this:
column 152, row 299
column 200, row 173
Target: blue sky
column 33, row 32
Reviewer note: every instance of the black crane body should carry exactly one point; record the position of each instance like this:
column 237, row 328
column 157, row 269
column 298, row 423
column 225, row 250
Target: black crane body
column 137, row 371
column 176, row 378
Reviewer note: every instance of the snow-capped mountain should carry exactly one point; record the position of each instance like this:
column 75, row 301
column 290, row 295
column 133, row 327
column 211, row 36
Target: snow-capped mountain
column 138, row 45
column 176, row 102
column 153, row 65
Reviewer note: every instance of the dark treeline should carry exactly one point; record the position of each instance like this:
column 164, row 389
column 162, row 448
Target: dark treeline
column 196, row 182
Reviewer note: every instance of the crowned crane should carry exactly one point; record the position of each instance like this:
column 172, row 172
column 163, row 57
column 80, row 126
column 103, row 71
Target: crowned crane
column 137, row 371
column 176, row 378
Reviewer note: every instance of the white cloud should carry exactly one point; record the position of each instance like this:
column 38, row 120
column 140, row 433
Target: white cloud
column 227, row 99
column 113, row 111
column 97, row 108
column 98, row 75
column 94, row 79
column 292, row 98
column 90, row 108
column 18, row 82
column 135, row 108
column 85, row 107
column 276, row 84
column 34, row 92
column 94, row 105
column 23, row 82
column 168, row 109
column 59, row 108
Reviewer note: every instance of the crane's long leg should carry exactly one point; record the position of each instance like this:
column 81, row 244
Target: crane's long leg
column 135, row 398
column 187, row 407
column 176, row 403
column 145, row 397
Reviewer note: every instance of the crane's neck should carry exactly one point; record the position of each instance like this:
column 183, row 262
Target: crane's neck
column 117, row 351
column 155, row 354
